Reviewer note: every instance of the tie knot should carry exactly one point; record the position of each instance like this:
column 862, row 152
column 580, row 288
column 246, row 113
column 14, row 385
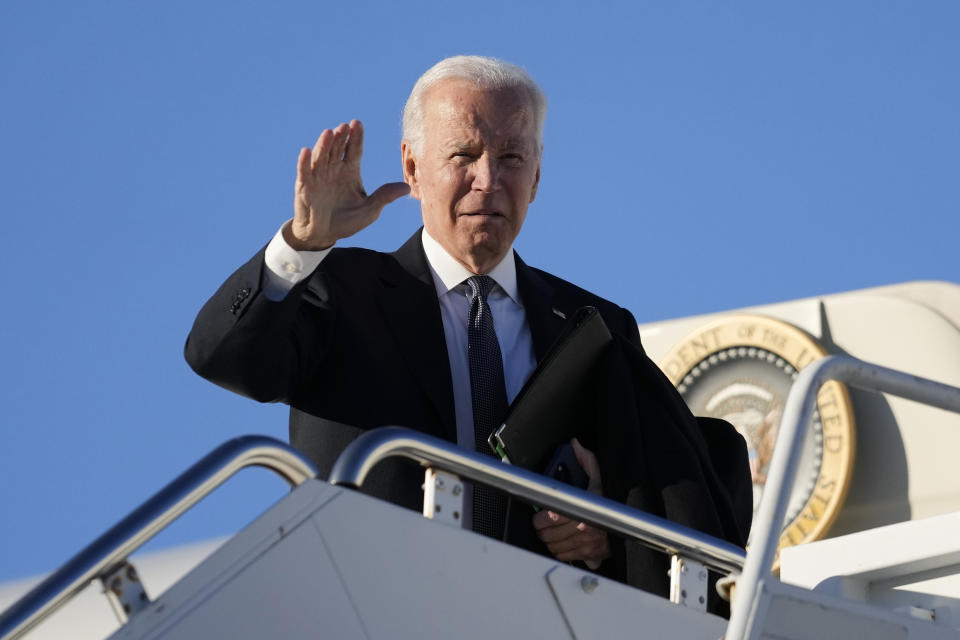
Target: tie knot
column 480, row 286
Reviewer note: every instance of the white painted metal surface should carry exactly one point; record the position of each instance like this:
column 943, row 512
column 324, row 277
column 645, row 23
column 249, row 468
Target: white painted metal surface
column 330, row 562
column 688, row 583
column 612, row 610
column 911, row 565
column 443, row 494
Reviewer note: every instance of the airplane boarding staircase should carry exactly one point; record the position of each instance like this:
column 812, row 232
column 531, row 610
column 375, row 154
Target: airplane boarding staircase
column 328, row 561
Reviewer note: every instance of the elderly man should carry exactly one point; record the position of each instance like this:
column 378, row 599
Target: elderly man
column 438, row 336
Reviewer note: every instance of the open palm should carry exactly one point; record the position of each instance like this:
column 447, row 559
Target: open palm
column 330, row 202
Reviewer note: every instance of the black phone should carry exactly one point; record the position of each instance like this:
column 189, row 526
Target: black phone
column 563, row 466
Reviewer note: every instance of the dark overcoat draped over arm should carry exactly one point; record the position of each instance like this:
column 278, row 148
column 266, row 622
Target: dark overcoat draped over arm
column 657, row 457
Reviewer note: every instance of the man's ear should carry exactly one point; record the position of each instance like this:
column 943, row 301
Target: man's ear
column 410, row 169
column 536, row 183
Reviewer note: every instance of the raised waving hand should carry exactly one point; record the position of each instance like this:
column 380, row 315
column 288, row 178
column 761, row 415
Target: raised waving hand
column 330, row 202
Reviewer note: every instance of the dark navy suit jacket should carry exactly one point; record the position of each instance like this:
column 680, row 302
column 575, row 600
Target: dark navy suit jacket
column 359, row 344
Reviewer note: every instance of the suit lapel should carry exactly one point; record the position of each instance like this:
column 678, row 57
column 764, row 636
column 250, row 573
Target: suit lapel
column 411, row 310
column 542, row 309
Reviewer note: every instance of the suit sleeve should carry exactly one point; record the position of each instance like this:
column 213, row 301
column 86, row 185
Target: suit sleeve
column 249, row 344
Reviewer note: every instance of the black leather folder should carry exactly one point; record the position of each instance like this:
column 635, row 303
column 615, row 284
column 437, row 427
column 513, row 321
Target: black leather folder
column 547, row 411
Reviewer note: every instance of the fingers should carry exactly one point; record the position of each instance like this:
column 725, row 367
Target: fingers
column 339, row 143
column 320, row 149
column 332, row 145
column 303, row 164
column 569, row 540
column 354, row 145
column 551, row 524
column 387, row 194
column 586, row 458
column 592, row 547
column 590, row 465
column 553, row 527
column 330, row 201
column 586, row 540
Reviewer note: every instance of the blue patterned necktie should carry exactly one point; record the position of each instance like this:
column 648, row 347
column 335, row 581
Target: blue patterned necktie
column 489, row 398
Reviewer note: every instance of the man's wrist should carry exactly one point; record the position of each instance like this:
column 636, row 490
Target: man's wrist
column 285, row 266
column 297, row 244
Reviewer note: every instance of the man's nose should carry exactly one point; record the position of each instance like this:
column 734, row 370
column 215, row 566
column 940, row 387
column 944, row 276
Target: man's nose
column 485, row 174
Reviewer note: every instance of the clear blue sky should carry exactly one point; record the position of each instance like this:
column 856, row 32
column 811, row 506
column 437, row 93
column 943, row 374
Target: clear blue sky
column 699, row 156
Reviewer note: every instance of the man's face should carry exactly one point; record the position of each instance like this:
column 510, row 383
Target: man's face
column 478, row 169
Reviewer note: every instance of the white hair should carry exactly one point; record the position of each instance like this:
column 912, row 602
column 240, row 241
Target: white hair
column 485, row 73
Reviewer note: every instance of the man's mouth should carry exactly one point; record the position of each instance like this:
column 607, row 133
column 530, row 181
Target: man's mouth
column 483, row 212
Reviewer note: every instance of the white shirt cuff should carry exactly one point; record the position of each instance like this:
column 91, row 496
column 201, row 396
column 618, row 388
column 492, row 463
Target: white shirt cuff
column 287, row 266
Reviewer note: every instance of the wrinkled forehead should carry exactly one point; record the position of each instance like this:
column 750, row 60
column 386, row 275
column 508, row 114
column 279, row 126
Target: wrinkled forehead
column 455, row 105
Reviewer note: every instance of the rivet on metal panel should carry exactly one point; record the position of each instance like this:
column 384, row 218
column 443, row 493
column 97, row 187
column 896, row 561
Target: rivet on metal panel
column 589, row 584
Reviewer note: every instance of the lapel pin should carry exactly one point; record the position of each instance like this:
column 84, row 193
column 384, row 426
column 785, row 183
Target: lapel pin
column 560, row 313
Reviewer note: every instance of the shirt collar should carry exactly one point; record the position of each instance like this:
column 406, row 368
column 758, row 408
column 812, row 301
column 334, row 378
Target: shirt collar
column 448, row 273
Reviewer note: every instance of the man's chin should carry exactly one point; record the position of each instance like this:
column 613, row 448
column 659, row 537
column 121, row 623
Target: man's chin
column 483, row 250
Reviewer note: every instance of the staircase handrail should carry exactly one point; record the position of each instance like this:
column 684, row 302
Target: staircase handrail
column 112, row 548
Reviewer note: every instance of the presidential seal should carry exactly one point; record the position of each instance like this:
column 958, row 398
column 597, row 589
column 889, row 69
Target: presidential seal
column 741, row 369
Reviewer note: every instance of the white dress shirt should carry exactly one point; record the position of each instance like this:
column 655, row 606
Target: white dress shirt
column 286, row 267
